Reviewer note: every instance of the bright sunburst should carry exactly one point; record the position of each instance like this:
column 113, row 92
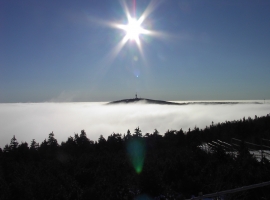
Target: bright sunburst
column 133, row 29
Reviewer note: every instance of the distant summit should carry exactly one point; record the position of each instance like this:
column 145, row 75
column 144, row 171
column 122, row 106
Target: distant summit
column 143, row 100
column 161, row 102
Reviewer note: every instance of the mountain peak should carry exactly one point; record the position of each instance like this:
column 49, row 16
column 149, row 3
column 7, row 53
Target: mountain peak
column 143, row 100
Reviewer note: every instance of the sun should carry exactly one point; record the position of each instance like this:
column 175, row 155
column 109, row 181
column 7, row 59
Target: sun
column 133, row 29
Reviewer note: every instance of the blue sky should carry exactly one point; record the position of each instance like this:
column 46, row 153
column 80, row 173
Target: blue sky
column 65, row 51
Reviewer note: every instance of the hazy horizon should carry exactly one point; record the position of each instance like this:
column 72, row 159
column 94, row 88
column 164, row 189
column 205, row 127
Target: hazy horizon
column 180, row 101
column 29, row 121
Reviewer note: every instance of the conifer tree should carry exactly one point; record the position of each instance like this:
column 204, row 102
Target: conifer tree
column 6, row 148
column 101, row 140
column 155, row 133
column 83, row 140
column 52, row 141
column 13, row 143
column 137, row 132
column 128, row 136
column 34, row 145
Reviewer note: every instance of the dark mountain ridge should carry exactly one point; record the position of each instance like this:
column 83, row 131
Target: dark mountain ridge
column 161, row 102
column 143, row 100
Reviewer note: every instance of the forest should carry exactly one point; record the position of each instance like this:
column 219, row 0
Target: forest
column 134, row 165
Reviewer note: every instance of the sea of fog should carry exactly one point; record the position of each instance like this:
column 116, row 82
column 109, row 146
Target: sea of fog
column 29, row 121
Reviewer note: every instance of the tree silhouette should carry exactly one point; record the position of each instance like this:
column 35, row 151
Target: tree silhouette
column 6, row 148
column 23, row 146
column 52, row 142
column 13, row 143
column 137, row 132
column 170, row 134
column 128, row 136
column 156, row 133
column 23, row 151
column 43, row 149
column 44, row 144
column 82, row 139
column 34, row 145
column 101, row 140
column 115, row 141
column 146, row 135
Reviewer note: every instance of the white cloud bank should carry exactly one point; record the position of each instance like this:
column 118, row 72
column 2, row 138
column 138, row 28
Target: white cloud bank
column 29, row 121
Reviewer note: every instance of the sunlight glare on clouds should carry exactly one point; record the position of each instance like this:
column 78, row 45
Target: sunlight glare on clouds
column 29, row 121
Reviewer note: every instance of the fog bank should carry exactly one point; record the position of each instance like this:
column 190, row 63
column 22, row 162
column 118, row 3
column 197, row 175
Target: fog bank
column 29, row 121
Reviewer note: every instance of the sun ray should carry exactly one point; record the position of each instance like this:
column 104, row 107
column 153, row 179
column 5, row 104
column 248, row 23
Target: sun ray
column 124, row 6
column 150, row 8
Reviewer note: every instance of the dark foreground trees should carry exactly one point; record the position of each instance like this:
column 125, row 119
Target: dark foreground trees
column 135, row 166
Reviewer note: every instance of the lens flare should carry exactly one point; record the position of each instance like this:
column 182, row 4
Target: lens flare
column 136, row 153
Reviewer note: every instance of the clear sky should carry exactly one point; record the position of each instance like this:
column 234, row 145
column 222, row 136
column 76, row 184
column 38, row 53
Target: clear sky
column 68, row 50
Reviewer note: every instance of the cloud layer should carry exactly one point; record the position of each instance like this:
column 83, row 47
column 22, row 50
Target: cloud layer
column 29, row 121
